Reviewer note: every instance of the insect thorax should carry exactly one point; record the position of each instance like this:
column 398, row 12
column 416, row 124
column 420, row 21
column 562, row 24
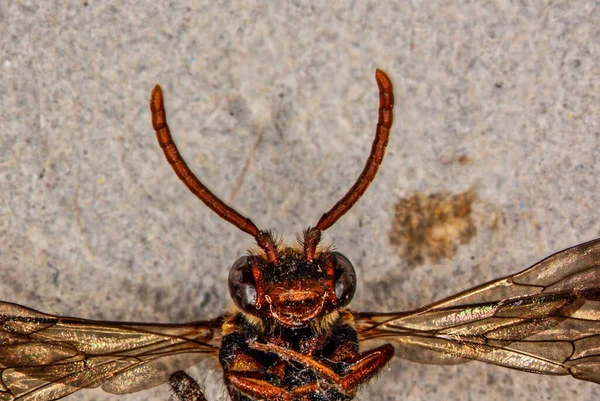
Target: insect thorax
column 329, row 343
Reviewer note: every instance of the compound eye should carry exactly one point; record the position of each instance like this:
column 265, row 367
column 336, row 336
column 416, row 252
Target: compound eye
column 345, row 279
column 242, row 287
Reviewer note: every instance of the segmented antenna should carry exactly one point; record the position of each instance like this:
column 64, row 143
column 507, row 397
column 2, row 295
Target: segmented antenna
column 382, row 133
column 227, row 213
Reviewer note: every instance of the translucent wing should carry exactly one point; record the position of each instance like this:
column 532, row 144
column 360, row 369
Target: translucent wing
column 45, row 357
column 545, row 319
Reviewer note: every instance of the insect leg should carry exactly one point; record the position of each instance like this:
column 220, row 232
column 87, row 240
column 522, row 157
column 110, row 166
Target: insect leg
column 257, row 388
column 366, row 365
column 185, row 388
column 362, row 367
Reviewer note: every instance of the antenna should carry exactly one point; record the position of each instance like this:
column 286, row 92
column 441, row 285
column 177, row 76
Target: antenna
column 382, row 134
column 263, row 238
column 226, row 212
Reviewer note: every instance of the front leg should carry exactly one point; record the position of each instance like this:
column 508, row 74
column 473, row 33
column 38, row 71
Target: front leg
column 254, row 375
column 297, row 364
column 361, row 367
column 185, row 388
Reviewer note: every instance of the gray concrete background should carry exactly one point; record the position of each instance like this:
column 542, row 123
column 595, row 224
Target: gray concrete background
column 93, row 222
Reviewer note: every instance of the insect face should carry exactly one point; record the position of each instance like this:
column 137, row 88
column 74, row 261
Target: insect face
column 292, row 291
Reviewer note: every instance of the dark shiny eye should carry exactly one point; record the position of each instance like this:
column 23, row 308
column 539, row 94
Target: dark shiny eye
column 242, row 287
column 345, row 279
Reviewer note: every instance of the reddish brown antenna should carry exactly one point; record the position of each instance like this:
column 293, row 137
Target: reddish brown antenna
column 263, row 238
column 382, row 133
column 226, row 212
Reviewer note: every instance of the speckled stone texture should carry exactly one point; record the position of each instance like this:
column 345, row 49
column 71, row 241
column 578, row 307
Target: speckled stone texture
column 274, row 107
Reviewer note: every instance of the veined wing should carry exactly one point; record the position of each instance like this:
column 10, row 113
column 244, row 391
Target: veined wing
column 545, row 320
column 45, row 357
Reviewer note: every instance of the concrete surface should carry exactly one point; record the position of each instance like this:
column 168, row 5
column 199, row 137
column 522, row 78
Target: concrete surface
column 93, row 222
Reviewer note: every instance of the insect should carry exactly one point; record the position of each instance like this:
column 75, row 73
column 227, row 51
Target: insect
column 292, row 337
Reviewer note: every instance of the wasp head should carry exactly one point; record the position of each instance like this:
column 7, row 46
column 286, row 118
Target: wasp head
column 291, row 287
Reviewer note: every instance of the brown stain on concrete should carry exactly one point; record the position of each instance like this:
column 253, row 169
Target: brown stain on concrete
column 432, row 226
